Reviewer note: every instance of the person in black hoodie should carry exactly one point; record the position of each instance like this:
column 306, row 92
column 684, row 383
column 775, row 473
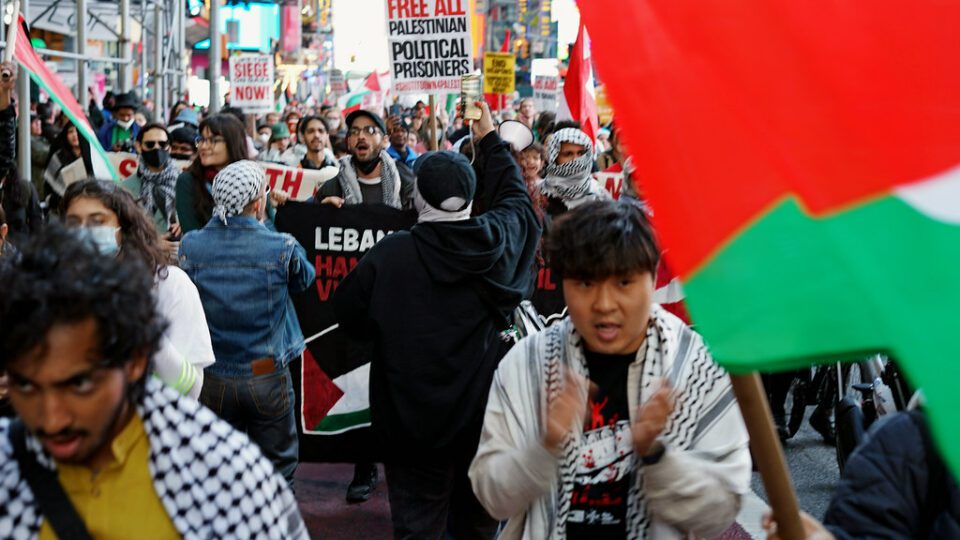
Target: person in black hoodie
column 434, row 301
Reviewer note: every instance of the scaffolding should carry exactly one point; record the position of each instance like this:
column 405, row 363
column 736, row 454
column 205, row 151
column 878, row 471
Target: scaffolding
column 162, row 34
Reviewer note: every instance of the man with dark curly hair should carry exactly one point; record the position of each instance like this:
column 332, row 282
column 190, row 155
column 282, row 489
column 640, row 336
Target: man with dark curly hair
column 97, row 444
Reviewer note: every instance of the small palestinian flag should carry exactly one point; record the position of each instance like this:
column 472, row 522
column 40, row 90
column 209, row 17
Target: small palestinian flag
column 803, row 165
column 94, row 156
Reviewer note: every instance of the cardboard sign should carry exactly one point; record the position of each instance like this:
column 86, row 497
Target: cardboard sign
column 498, row 73
column 429, row 45
column 545, row 93
column 251, row 83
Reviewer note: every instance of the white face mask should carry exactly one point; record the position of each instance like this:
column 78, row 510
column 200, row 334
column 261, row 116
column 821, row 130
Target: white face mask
column 125, row 125
column 334, row 123
column 264, row 137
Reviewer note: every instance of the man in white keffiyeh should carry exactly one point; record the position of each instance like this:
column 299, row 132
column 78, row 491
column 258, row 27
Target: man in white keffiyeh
column 568, row 182
column 614, row 422
column 130, row 457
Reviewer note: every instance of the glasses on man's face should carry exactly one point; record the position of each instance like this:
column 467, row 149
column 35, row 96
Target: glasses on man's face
column 369, row 130
column 150, row 145
column 216, row 139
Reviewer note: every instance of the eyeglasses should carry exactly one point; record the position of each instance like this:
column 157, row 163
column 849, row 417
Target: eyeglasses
column 211, row 141
column 369, row 130
column 150, row 145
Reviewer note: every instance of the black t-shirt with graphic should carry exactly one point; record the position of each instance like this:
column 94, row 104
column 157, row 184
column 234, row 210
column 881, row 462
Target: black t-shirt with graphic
column 598, row 509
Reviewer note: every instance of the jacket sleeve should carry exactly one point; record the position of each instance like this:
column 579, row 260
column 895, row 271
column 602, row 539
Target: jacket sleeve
column 104, row 135
column 884, row 487
column 8, row 141
column 510, row 472
column 352, row 298
column 186, row 216
column 698, row 489
column 302, row 273
column 330, row 188
column 34, row 212
column 407, row 179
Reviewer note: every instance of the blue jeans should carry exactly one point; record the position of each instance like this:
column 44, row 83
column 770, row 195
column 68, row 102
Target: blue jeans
column 262, row 407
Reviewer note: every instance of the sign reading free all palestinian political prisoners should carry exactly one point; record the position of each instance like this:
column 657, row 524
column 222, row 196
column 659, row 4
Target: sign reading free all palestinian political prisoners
column 429, row 45
column 331, row 382
column 251, row 83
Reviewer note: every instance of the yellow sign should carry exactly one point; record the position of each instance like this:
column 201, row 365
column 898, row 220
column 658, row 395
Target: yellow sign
column 498, row 73
column 604, row 109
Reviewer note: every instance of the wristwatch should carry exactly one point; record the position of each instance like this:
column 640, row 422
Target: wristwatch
column 655, row 454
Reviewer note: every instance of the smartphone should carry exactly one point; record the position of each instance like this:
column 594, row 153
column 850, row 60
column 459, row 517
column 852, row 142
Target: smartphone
column 471, row 91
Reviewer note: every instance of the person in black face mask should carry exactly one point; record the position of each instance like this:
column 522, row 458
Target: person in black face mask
column 183, row 143
column 154, row 184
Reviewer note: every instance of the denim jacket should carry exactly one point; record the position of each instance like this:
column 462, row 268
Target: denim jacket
column 245, row 274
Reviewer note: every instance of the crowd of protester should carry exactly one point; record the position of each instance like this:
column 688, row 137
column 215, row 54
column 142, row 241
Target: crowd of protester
column 148, row 323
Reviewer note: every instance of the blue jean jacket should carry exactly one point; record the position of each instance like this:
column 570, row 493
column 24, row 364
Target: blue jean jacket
column 245, row 274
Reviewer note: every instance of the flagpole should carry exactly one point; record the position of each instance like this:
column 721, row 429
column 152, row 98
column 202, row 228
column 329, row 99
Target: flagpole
column 433, row 123
column 768, row 454
column 11, row 36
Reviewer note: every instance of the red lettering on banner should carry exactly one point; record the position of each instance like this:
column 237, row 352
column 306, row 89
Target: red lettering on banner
column 292, row 180
column 614, row 187
column 128, row 167
column 272, row 175
column 545, row 280
column 449, row 8
column 325, row 288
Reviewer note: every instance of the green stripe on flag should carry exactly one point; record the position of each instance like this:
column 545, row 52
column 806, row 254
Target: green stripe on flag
column 794, row 289
column 338, row 423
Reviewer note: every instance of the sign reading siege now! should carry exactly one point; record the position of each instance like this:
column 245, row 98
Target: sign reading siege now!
column 429, row 42
column 251, row 83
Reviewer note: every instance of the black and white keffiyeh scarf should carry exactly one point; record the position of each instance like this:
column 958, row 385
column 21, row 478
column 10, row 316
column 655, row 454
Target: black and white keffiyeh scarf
column 158, row 190
column 388, row 176
column 672, row 351
column 235, row 186
column 570, row 182
column 212, row 480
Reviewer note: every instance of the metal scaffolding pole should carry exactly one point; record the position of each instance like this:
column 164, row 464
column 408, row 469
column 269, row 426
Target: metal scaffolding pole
column 125, row 70
column 143, row 49
column 215, row 56
column 82, row 50
column 23, row 102
column 158, row 76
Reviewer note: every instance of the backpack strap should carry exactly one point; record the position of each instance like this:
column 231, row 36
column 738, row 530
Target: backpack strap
column 49, row 495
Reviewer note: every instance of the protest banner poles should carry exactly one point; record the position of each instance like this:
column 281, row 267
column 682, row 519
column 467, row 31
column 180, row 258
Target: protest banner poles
column 433, row 123
column 768, row 454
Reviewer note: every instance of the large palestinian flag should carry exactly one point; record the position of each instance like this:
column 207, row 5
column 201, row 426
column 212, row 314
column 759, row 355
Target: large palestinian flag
column 802, row 163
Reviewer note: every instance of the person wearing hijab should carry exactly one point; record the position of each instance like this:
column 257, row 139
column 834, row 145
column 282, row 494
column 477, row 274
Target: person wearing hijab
column 245, row 274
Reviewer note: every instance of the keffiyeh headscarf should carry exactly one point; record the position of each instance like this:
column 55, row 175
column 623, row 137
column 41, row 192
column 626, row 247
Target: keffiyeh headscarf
column 158, row 190
column 235, row 186
column 570, row 181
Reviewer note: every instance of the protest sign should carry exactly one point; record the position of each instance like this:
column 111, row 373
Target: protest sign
column 545, row 93
column 338, row 85
column 610, row 181
column 429, row 45
column 498, row 73
column 251, row 83
column 300, row 184
column 333, row 386
column 124, row 162
column 604, row 109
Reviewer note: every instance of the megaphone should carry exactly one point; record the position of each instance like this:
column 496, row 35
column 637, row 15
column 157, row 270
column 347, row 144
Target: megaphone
column 516, row 133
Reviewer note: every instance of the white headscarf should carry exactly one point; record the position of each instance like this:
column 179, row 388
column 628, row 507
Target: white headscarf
column 571, row 180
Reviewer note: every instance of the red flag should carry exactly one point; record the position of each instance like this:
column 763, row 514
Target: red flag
column 578, row 88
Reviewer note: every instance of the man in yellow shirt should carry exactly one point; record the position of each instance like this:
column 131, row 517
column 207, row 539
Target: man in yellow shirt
column 99, row 448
